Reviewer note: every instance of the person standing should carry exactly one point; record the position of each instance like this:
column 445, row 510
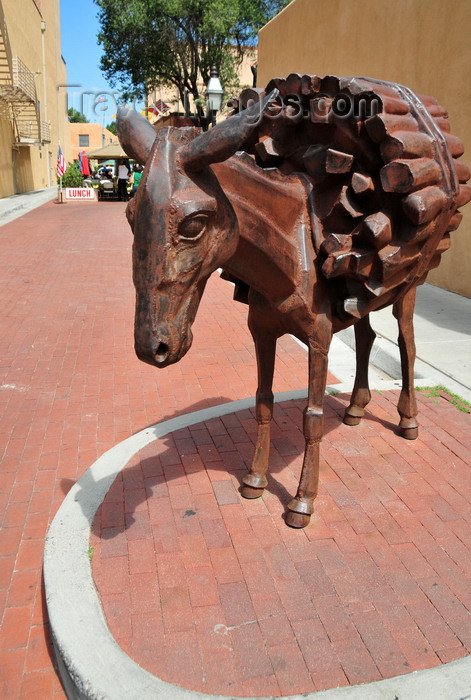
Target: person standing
column 123, row 173
column 137, row 179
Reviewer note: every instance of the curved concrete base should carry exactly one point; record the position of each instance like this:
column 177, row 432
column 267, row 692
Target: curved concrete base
column 91, row 664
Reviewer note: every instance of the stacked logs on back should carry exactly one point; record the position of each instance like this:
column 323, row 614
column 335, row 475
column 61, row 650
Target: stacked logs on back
column 386, row 182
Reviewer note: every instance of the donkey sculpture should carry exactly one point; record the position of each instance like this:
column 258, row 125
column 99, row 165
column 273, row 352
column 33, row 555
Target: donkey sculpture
column 327, row 198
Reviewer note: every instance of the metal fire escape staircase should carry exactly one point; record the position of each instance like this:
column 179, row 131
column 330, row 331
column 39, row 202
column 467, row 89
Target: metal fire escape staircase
column 18, row 99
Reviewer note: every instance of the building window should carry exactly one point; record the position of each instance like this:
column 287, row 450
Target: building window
column 84, row 140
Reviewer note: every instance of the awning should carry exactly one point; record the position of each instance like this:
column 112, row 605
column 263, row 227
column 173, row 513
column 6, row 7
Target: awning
column 112, row 150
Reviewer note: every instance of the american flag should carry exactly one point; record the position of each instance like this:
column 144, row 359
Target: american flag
column 159, row 106
column 61, row 165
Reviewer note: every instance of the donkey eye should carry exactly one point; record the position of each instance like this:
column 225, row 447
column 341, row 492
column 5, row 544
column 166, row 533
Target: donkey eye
column 193, row 227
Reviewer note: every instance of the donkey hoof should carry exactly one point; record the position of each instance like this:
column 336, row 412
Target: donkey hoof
column 353, row 414
column 348, row 419
column 251, row 491
column 297, row 520
column 409, row 433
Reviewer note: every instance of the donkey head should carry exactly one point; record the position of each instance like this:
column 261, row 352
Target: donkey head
column 184, row 226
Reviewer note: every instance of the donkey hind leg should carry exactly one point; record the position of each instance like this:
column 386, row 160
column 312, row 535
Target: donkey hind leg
column 403, row 310
column 301, row 507
column 361, row 396
column 256, row 480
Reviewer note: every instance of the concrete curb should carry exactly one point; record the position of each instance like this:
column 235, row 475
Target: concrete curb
column 17, row 205
column 385, row 357
column 91, row 664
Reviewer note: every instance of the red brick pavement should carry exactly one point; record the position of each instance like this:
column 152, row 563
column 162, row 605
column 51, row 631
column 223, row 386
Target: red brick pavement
column 71, row 387
column 201, row 587
column 214, row 593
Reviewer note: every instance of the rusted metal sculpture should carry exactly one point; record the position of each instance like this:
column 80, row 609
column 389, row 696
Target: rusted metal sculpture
column 328, row 198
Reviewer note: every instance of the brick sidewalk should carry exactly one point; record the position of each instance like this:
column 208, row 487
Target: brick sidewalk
column 387, row 553
column 214, row 593
column 71, row 387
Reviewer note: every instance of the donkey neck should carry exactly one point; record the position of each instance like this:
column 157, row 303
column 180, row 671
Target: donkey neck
column 273, row 224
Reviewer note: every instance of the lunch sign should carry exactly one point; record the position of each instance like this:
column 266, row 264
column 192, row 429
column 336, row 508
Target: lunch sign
column 80, row 193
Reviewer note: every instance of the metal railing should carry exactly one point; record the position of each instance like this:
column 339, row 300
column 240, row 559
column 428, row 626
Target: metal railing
column 45, row 132
column 23, row 78
column 27, row 130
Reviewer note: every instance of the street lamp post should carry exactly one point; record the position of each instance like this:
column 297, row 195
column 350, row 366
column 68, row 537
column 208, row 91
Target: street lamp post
column 214, row 93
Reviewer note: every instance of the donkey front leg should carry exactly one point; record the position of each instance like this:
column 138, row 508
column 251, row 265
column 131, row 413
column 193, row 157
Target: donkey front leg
column 403, row 310
column 361, row 395
column 301, row 507
column 265, row 348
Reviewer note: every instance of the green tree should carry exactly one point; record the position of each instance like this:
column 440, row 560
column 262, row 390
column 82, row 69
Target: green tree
column 112, row 127
column 75, row 116
column 72, row 176
column 147, row 43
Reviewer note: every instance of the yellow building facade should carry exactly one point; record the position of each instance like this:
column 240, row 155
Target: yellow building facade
column 33, row 96
column 423, row 44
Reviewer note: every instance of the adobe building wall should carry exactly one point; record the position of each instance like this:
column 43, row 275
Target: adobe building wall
column 34, row 37
column 423, row 44
column 98, row 137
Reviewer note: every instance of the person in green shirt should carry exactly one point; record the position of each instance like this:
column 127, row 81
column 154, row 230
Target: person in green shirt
column 137, row 178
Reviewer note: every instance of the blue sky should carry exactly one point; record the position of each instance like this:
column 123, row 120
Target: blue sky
column 81, row 52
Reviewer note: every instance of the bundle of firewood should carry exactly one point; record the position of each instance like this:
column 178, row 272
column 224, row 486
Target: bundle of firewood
column 386, row 180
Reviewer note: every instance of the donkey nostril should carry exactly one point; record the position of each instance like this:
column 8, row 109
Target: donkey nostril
column 161, row 353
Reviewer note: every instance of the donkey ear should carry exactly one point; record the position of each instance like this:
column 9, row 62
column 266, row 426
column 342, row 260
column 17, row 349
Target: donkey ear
column 223, row 140
column 135, row 134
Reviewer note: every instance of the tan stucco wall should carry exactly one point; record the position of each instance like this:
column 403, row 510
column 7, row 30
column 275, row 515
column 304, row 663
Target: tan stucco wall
column 424, row 44
column 24, row 168
column 96, row 132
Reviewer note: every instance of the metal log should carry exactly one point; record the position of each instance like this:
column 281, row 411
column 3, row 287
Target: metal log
column 337, row 162
column 444, row 244
column 463, row 172
column 337, row 264
column 394, row 105
column 455, row 145
column 250, row 95
column 336, row 242
column 436, row 110
column 376, row 230
column 408, row 175
column 464, row 196
column 294, row 83
column 394, row 258
column 310, row 85
column 354, row 306
column 362, row 184
column 320, row 109
column 421, row 207
column 346, row 206
column 357, row 86
column 278, row 84
column 455, row 221
column 382, row 125
column 407, row 144
column 379, row 287
column 362, row 263
column 267, row 151
column 443, row 124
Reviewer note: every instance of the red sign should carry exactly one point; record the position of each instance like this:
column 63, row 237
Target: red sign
column 81, row 193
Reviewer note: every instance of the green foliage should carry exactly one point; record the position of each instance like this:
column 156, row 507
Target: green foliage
column 147, row 43
column 72, row 176
column 454, row 399
column 75, row 116
column 112, row 127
